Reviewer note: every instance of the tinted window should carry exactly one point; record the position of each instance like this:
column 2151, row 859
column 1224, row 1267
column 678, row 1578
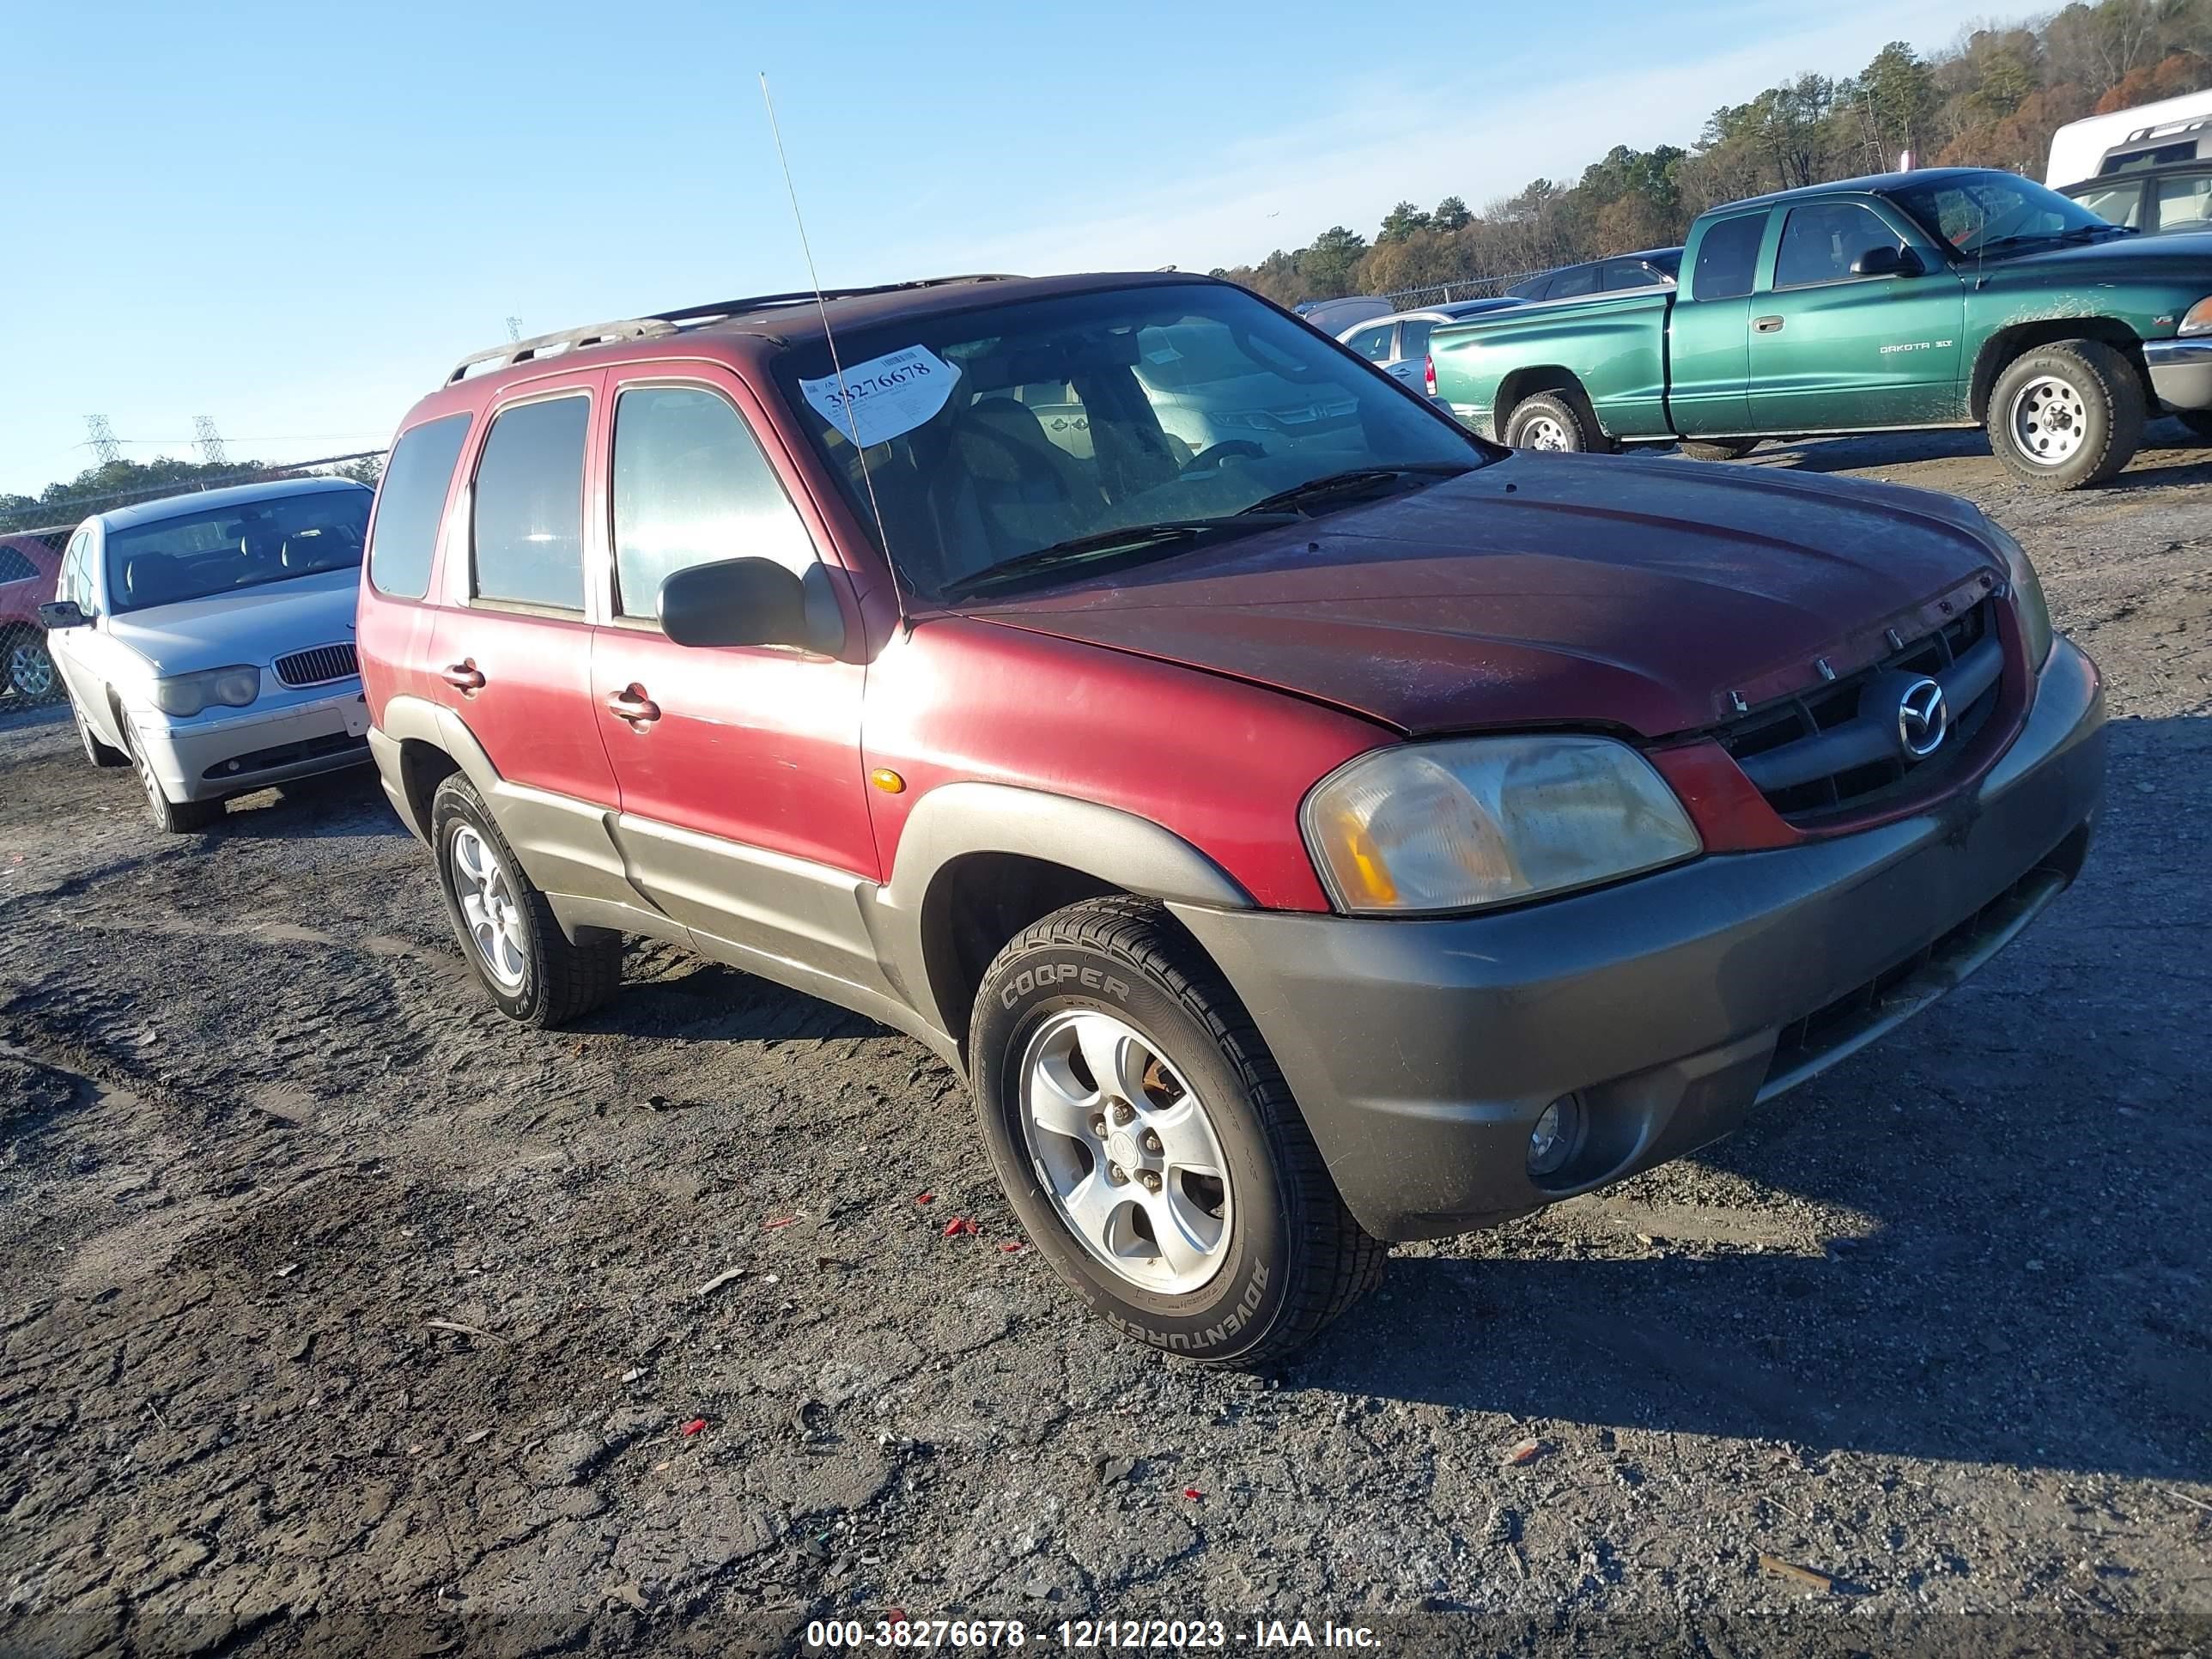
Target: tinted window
column 2119, row 205
column 201, row 555
column 1668, row 262
column 410, row 503
column 1536, row 288
column 1727, row 258
column 71, row 583
column 1373, row 344
column 1413, row 338
column 2156, row 155
column 2182, row 202
column 15, row 567
column 529, row 529
column 1622, row 274
column 691, row 486
column 1575, row 279
column 1822, row 240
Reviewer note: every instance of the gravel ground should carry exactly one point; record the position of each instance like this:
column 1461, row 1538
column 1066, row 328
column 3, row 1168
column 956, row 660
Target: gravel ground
column 325, row 1289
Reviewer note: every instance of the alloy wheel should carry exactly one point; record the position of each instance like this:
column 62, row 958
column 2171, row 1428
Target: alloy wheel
column 1126, row 1150
column 31, row 669
column 489, row 907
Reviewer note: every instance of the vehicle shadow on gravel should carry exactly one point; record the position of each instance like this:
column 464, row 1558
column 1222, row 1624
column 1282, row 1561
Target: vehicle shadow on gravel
column 1980, row 1240
column 2159, row 464
column 339, row 804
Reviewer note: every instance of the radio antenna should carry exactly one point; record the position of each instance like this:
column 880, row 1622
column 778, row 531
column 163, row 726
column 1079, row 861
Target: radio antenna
column 837, row 364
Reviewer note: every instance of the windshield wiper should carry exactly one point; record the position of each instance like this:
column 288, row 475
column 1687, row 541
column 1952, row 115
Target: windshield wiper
column 2077, row 233
column 1100, row 543
column 1351, row 482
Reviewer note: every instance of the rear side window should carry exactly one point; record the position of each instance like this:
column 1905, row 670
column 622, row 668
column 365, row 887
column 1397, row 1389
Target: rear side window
column 2183, row 204
column 1373, row 344
column 529, row 518
column 1536, row 288
column 409, row 504
column 15, row 567
column 692, row 487
column 1621, row 275
column 1413, row 338
column 1574, row 280
column 1728, row 258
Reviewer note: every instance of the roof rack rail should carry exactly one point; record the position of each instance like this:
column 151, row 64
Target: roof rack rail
column 662, row 323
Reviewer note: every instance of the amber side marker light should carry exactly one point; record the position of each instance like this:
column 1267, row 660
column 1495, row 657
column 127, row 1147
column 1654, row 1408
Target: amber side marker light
column 887, row 781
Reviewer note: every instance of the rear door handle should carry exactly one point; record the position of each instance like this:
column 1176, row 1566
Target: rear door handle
column 632, row 704
column 465, row 677
column 1767, row 325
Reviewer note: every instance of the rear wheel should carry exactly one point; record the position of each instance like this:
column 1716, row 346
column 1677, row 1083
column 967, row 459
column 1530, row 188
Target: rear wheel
column 29, row 668
column 175, row 817
column 531, row 970
column 1556, row 421
column 1718, row 449
column 2067, row 415
column 1150, row 1145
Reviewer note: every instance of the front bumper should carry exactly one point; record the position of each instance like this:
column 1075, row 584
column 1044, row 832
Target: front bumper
column 208, row 758
column 1422, row 1052
column 2180, row 372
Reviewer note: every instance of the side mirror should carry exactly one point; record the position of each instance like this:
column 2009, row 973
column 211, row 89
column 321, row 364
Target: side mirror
column 1888, row 261
column 751, row 601
column 62, row 613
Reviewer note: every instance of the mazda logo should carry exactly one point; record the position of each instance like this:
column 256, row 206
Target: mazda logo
column 1922, row 719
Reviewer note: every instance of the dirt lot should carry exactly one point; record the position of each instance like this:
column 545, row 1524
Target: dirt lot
column 322, row 1288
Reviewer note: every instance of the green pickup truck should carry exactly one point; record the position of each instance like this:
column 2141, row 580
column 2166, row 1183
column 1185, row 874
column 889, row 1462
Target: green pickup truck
column 1946, row 297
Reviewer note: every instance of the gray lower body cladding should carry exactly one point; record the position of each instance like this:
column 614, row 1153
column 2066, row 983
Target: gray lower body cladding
column 1422, row 1052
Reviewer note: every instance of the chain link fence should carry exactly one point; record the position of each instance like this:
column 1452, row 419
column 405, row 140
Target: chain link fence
column 31, row 557
column 1442, row 294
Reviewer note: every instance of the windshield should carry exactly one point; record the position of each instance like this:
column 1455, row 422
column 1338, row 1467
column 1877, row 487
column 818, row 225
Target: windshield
column 199, row 555
column 1978, row 213
column 1164, row 410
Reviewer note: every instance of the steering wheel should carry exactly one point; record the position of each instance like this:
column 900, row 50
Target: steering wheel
column 1209, row 460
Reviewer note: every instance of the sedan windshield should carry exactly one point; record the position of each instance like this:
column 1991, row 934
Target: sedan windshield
column 1979, row 214
column 1025, row 442
column 197, row 555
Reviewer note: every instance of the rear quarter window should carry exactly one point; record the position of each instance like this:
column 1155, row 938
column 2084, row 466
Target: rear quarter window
column 409, row 505
column 529, row 528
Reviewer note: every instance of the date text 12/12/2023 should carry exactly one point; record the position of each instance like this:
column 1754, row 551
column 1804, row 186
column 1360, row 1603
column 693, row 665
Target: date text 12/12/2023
column 1086, row 1635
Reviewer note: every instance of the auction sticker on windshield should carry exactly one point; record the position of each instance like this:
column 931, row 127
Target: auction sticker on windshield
column 889, row 395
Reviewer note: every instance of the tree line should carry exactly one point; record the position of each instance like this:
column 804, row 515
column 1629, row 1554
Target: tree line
column 1993, row 99
column 122, row 483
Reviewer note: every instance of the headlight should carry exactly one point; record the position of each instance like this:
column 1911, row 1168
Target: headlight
column 185, row 694
column 1476, row 821
column 2033, row 609
column 2199, row 319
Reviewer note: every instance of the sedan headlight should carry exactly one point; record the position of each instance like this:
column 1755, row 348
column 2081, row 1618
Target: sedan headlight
column 1477, row 820
column 2198, row 320
column 2034, row 610
column 185, row 694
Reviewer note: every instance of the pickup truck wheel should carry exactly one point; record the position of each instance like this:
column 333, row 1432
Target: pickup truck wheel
column 1718, row 449
column 507, row 931
column 1553, row 420
column 1150, row 1145
column 2067, row 415
column 171, row 817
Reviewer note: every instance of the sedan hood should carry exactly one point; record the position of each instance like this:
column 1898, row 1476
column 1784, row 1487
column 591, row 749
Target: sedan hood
column 1643, row 594
column 251, row 625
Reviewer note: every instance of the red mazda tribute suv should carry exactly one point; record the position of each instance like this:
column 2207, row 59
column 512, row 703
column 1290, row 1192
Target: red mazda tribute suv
column 1307, row 824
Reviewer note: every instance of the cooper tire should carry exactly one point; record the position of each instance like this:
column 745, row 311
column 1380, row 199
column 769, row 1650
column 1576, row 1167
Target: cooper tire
column 173, row 817
column 551, row 979
column 1292, row 1258
column 1559, row 421
column 1718, row 449
column 2067, row 415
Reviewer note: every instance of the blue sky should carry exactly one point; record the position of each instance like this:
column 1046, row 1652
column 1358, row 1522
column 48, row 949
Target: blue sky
column 294, row 218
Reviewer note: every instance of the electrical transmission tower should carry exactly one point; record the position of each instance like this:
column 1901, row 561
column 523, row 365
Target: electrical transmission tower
column 103, row 440
column 514, row 329
column 209, row 441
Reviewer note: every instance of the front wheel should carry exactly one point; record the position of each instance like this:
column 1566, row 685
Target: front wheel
column 507, row 931
column 2068, row 414
column 1150, row 1145
column 173, row 818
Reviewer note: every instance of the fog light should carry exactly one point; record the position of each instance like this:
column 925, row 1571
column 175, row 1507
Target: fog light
column 1559, row 1132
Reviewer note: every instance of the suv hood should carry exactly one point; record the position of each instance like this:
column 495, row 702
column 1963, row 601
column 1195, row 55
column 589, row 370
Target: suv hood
column 1632, row 593
column 250, row 625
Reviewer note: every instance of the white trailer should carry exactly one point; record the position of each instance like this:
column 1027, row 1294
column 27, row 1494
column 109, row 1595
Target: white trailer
column 2171, row 130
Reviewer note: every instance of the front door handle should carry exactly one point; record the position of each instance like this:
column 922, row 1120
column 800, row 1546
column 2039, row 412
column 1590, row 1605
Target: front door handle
column 1767, row 325
column 463, row 676
column 631, row 704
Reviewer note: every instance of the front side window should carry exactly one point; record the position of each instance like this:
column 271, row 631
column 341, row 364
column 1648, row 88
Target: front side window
column 1205, row 414
column 528, row 523
column 202, row 555
column 1728, row 258
column 409, row 504
column 2116, row 204
column 1822, row 240
column 692, row 487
